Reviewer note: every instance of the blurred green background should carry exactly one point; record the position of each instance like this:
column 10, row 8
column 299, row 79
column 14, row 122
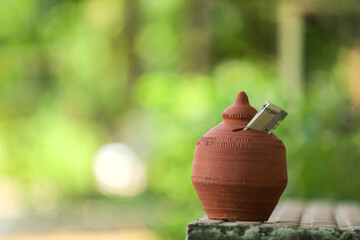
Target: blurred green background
column 155, row 76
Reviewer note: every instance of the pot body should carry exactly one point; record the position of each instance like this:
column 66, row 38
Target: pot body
column 239, row 174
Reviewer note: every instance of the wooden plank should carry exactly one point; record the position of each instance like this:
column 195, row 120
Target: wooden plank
column 319, row 214
column 347, row 215
column 288, row 212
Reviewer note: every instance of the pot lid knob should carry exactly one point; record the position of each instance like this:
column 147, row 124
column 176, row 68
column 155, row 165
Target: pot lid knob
column 241, row 112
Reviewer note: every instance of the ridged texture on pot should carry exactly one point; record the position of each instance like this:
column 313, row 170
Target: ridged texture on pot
column 239, row 174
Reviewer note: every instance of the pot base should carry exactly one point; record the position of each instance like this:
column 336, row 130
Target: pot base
column 242, row 202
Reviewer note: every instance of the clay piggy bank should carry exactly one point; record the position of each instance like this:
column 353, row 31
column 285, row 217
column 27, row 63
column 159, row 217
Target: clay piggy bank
column 239, row 174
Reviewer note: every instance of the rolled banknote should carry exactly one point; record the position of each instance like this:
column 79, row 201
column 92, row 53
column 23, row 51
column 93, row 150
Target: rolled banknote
column 267, row 118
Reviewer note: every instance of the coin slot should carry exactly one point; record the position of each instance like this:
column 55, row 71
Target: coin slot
column 237, row 129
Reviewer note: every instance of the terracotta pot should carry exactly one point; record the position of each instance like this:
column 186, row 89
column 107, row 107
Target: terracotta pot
column 239, row 174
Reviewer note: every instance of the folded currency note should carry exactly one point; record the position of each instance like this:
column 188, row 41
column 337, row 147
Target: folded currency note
column 267, row 118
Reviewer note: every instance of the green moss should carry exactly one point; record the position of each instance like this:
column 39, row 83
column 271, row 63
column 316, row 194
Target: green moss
column 252, row 234
column 200, row 233
column 282, row 233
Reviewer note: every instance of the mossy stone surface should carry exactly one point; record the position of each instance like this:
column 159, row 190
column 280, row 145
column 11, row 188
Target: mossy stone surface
column 236, row 232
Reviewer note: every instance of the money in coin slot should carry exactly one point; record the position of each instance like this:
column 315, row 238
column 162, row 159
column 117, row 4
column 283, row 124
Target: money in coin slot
column 267, row 118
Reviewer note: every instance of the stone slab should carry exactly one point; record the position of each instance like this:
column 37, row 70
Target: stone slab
column 290, row 220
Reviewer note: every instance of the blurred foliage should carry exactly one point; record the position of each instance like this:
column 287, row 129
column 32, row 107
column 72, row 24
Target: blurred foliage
column 75, row 75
